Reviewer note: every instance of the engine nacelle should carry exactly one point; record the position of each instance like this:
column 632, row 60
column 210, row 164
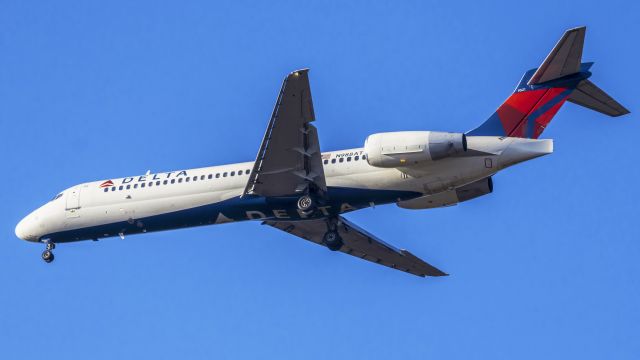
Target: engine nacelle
column 404, row 148
column 451, row 197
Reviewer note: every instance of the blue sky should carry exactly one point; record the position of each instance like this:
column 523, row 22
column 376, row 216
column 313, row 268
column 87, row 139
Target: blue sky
column 545, row 267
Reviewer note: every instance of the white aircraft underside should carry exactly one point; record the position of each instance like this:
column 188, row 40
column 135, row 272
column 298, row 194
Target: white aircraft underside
column 294, row 187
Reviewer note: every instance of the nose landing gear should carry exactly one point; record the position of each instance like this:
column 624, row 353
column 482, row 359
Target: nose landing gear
column 47, row 254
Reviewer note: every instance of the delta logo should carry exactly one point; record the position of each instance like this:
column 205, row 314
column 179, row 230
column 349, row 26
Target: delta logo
column 107, row 183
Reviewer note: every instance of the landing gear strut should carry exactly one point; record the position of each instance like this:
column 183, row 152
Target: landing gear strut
column 331, row 238
column 47, row 254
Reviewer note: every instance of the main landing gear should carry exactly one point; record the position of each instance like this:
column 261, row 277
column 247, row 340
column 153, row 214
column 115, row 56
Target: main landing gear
column 331, row 238
column 47, row 254
column 306, row 204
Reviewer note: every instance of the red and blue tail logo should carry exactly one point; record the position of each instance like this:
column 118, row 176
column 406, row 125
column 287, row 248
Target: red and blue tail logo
column 528, row 111
column 562, row 76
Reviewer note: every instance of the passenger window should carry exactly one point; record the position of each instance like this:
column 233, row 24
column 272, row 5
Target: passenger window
column 233, row 173
column 209, row 177
column 364, row 157
column 333, row 161
column 173, row 181
column 195, row 178
column 356, row 158
column 341, row 160
column 202, row 177
column 135, row 186
column 224, row 174
column 165, row 182
column 187, row 179
column 113, row 188
column 150, row 184
column 158, row 183
column 248, row 172
column 143, row 184
column 326, row 162
column 179, row 180
column 349, row 158
column 106, row 189
column 217, row 175
column 239, row 172
column 120, row 187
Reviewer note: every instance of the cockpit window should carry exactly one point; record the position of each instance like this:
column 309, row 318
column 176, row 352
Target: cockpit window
column 57, row 197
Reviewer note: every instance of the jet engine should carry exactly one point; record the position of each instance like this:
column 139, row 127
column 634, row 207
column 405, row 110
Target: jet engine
column 452, row 197
column 405, row 148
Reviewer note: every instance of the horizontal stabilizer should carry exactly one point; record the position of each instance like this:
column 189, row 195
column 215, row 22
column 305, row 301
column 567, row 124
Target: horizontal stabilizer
column 587, row 94
column 564, row 59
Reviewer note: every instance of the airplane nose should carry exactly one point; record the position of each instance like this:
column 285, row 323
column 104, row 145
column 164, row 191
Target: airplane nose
column 20, row 230
column 24, row 229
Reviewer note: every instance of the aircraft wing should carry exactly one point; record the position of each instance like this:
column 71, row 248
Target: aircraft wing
column 289, row 159
column 359, row 243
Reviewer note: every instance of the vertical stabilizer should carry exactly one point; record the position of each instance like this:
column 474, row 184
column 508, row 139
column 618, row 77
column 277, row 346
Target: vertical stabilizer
column 542, row 91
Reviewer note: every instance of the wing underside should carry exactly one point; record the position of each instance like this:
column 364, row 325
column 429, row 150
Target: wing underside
column 289, row 160
column 361, row 244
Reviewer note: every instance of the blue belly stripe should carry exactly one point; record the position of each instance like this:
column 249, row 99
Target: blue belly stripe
column 234, row 209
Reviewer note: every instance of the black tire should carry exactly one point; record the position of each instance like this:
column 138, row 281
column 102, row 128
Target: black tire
column 47, row 256
column 332, row 240
column 305, row 203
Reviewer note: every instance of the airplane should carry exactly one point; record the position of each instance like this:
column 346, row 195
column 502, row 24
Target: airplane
column 294, row 187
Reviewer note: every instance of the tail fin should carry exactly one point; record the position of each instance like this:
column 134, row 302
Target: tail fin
column 542, row 91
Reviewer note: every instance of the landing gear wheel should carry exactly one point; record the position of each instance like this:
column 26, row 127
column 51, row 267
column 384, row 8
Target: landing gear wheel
column 47, row 256
column 51, row 246
column 305, row 203
column 332, row 240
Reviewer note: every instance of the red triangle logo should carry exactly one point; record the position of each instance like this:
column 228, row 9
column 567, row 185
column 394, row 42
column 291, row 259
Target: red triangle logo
column 106, row 184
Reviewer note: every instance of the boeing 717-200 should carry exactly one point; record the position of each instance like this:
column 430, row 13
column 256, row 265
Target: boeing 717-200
column 294, row 187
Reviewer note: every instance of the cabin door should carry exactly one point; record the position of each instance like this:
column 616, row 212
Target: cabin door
column 73, row 202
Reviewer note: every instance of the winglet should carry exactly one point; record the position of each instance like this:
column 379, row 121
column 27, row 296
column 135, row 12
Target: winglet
column 564, row 59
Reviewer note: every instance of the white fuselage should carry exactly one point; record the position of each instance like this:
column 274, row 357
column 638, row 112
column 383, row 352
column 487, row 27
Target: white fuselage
column 213, row 195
